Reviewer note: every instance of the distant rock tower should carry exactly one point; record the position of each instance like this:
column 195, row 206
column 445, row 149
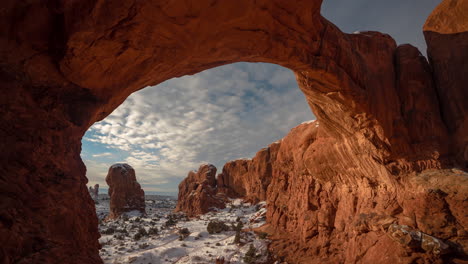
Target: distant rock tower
column 94, row 192
column 126, row 195
column 197, row 192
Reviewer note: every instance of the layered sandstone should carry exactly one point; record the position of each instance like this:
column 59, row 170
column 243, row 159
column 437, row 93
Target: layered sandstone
column 416, row 218
column 313, row 213
column 197, row 192
column 126, row 194
column 67, row 64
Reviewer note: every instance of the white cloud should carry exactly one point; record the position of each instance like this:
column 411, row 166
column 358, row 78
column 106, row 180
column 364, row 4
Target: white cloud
column 215, row 116
column 100, row 155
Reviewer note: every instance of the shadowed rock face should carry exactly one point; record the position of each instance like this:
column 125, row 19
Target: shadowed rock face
column 446, row 33
column 197, row 192
column 125, row 192
column 67, row 64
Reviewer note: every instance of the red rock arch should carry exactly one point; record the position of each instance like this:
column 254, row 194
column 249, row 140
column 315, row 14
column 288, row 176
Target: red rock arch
column 65, row 65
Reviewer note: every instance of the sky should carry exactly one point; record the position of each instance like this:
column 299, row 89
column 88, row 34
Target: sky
column 228, row 112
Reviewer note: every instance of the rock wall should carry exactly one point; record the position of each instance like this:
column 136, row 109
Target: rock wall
column 326, row 217
column 317, row 213
column 67, row 64
column 125, row 192
column 248, row 179
column 197, row 192
column 446, row 33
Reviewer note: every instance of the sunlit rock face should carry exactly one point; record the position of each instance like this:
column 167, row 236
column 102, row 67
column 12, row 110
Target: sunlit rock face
column 125, row 193
column 197, row 192
column 248, row 179
column 68, row 64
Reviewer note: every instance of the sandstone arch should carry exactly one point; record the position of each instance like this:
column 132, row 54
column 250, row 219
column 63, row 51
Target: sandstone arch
column 67, row 64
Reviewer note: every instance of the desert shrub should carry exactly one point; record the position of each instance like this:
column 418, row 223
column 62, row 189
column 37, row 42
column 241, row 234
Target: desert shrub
column 123, row 231
column 143, row 246
column 263, row 235
column 109, row 231
column 171, row 221
column 153, row 231
column 218, row 244
column 119, row 237
column 137, row 236
column 124, row 217
column 237, row 238
column 238, row 230
column 216, row 227
column 141, row 233
column 251, row 255
column 183, row 233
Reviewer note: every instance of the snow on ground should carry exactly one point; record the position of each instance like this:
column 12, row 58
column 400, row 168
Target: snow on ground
column 163, row 237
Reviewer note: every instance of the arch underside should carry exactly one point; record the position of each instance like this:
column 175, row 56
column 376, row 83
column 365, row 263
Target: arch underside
column 68, row 65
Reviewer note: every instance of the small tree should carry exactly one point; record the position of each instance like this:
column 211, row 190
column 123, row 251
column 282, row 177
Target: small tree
column 172, row 221
column 183, row 233
column 216, row 227
column 251, row 255
column 263, row 235
column 153, row 231
column 238, row 230
column 109, row 231
column 141, row 233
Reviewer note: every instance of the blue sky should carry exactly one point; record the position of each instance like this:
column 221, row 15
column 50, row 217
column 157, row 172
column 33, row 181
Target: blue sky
column 228, row 112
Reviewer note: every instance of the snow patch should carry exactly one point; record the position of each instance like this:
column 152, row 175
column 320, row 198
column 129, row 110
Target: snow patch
column 308, row 122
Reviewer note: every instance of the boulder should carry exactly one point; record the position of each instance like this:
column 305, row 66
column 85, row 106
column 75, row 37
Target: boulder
column 125, row 193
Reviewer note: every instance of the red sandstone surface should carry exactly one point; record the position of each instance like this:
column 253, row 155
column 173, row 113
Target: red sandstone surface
column 197, row 192
column 391, row 125
column 125, row 192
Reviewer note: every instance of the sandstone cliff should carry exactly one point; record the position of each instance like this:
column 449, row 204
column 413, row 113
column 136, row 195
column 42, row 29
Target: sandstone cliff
column 419, row 217
column 248, row 179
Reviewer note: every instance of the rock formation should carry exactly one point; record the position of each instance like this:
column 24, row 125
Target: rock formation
column 446, row 33
column 125, row 192
column 67, row 64
column 418, row 218
column 248, row 179
column 197, row 192
column 94, row 192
